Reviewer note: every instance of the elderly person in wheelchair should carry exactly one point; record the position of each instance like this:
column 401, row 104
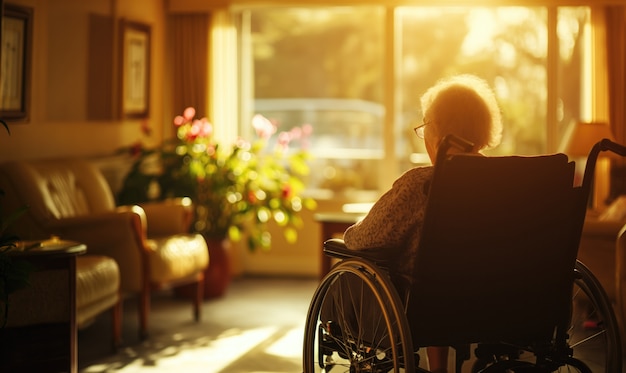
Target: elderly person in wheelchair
column 462, row 105
column 473, row 250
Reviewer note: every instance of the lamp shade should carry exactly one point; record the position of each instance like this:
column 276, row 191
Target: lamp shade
column 583, row 136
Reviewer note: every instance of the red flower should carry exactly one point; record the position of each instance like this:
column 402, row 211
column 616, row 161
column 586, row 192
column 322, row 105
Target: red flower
column 145, row 127
column 251, row 197
column 136, row 149
column 287, row 191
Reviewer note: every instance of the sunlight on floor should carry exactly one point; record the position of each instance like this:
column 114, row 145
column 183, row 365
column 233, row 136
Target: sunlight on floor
column 288, row 346
column 213, row 357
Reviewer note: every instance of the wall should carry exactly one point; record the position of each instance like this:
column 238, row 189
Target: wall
column 58, row 123
column 302, row 258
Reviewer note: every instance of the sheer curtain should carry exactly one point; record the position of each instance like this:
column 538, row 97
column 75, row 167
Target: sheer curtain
column 616, row 69
column 189, row 40
column 616, row 73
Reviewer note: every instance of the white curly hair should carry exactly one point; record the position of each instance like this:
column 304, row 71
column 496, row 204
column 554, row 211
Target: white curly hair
column 465, row 106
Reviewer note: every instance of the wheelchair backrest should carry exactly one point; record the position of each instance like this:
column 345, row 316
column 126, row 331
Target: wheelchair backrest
column 498, row 249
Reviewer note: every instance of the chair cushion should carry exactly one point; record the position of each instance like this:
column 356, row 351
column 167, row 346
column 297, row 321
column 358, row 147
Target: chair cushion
column 176, row 257
column 97, row 286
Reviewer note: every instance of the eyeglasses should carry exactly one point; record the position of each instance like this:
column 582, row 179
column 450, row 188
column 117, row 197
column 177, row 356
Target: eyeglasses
column 419, row 130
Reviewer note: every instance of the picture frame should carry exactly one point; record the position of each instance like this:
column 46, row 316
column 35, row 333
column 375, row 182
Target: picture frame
column 135, row 69
column 15, row 64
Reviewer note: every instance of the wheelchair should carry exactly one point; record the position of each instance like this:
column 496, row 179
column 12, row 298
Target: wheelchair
column 496, row 273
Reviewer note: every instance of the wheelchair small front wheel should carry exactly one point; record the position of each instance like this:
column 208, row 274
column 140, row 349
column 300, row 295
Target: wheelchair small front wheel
column 356, row 323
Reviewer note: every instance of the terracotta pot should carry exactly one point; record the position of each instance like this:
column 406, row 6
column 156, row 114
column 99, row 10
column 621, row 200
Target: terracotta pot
column 217, row 276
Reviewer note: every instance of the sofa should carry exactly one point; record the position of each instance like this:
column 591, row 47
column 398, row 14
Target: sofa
column 151, row 244
column 97, row 291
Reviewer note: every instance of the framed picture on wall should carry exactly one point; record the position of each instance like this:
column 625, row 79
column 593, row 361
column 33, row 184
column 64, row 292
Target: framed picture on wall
column 135, row 69
column 15, row 62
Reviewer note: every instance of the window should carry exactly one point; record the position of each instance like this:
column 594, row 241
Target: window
column 330, row 67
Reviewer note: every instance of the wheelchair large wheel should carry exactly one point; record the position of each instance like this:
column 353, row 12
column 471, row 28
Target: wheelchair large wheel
column 356, row 323
column 594, row 332
column 593, row 338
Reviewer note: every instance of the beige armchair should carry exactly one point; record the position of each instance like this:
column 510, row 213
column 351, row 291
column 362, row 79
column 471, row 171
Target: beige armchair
column 71, row 199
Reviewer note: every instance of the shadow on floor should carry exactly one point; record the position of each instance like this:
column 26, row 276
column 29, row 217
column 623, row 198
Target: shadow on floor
column 256, row 327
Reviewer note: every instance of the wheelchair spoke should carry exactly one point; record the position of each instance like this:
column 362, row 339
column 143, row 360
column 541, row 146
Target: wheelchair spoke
column 593, row 331
column 353, row 327
column 588, row 339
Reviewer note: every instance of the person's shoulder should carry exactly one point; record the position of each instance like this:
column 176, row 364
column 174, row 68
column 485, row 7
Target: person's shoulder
column 423, row 172
column 416, row 175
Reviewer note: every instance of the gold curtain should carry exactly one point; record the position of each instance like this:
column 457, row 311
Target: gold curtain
column 616, row 73
column 616, row 69
column 190, row 43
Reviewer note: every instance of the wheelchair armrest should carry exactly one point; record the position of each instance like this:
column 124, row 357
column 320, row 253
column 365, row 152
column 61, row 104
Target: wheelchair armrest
column 336, row 248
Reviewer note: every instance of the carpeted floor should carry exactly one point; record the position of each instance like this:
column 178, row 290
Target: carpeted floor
column 256, row 327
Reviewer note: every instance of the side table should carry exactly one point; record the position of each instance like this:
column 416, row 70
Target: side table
column 333, row 223
column 41, row 333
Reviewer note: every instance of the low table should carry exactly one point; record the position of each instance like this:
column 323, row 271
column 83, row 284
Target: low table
column 41, row 335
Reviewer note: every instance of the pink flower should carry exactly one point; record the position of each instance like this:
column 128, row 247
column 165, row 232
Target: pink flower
column 179, row 121
column 206, row 128
column 284, row 138
column 296, row 133
column 242, row 143
column 282, row 143
column 210, row 150
column 263, row 126
column 199, row 128
column 189, row 113
column 307, row 129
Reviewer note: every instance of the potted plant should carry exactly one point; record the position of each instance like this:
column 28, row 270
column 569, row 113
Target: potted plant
column 237, row 189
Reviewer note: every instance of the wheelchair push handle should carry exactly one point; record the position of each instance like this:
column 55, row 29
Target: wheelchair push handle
column 601, row 146
column 608, row 145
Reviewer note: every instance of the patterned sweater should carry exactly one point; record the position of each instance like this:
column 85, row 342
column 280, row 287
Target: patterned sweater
column 395, row 220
